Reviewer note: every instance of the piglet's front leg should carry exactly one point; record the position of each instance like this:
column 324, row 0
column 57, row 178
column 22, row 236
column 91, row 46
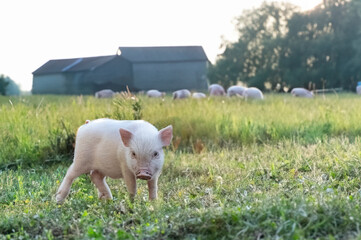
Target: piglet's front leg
column 153, row 188
column 130, row 183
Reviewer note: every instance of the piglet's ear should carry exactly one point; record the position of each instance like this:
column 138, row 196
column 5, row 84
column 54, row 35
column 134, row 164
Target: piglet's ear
column 166, row 135
column 126, row 136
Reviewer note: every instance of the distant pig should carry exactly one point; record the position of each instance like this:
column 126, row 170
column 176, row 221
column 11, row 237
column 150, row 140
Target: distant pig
column 216, row 90
column 129, row 149
column 235, row 91
column 198, row 95
column 253, row 93
column 155, row 94
column 180, row 94
column 301, row 92
column 105, row 93
column 358, row 89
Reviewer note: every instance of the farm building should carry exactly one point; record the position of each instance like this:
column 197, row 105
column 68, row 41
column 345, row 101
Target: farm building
column 139, row 68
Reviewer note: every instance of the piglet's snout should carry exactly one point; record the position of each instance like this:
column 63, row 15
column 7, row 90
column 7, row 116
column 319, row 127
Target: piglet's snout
column 144, row 174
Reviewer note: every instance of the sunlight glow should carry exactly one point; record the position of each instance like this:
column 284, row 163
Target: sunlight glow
column 43, row 30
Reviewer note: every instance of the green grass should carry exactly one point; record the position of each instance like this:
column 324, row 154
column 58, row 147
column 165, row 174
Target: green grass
column 283, row 168
column 42, row 128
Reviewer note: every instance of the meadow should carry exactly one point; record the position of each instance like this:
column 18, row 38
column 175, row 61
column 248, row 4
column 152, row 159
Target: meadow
column 282, row 168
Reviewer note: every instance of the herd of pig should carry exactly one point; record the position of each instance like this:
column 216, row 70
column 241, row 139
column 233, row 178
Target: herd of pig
column 132, row 149
column 213, row 90
column 218, row 90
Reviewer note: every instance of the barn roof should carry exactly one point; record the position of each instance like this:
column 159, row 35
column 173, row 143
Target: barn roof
column 132, row 54
column 163, row 54
column 73, row 64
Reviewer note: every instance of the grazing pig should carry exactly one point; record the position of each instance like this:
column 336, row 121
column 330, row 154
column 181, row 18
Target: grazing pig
column 198, row 95
column 358, row 89
column 235, row 91
column 216, row 90
column 301, row 92
column 105, row 93
column 180, row 94
column 129, row 149
column 155, row 93
column 253, row 93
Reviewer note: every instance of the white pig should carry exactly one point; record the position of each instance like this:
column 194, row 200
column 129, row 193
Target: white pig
column 198, row 95
column 216, row 90
column 129, row 149
column 301, row 92
column 105, row 93
column 155, row 93
column 235, row 91
column 180, row 94
column 358, row 89
column 253, row 93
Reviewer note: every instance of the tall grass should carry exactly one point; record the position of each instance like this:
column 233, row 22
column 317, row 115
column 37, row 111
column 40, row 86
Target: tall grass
column 36, row 129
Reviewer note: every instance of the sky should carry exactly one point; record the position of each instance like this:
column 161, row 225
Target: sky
column 33, row 32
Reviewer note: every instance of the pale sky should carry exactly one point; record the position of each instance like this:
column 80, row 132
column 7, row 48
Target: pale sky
column 35, row 31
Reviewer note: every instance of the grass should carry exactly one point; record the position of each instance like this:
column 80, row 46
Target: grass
column 284, row 168
column 42, row 128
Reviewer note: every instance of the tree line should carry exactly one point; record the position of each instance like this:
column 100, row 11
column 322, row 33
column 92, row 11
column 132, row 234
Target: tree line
column 8, row 86
column 280, row 47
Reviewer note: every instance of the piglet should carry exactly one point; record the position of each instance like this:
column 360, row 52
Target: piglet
column 129, row 149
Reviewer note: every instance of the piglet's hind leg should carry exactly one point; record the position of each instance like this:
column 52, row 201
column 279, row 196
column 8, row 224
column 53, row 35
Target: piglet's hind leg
column 103, row 189
column 64, row 189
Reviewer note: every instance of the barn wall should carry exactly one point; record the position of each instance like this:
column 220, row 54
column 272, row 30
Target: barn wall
column 115, row 75
column 170, row 76
column 74, row 83
column 49, row 84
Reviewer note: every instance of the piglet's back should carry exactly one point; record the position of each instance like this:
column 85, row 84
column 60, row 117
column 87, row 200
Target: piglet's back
column 104, row 126
column 107, row 130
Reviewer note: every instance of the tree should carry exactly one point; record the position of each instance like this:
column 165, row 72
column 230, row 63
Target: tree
column 3, row 84
column 283, row 47
column 307, row 50
column 320, row 45
column 253, row 59
column 348, row 36
column 8, row 86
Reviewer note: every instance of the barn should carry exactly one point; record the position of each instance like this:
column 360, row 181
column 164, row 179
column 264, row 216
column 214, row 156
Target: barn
column 139, row 68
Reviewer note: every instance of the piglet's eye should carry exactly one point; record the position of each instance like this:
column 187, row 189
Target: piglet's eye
column 155, row 154
column 133, row 155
